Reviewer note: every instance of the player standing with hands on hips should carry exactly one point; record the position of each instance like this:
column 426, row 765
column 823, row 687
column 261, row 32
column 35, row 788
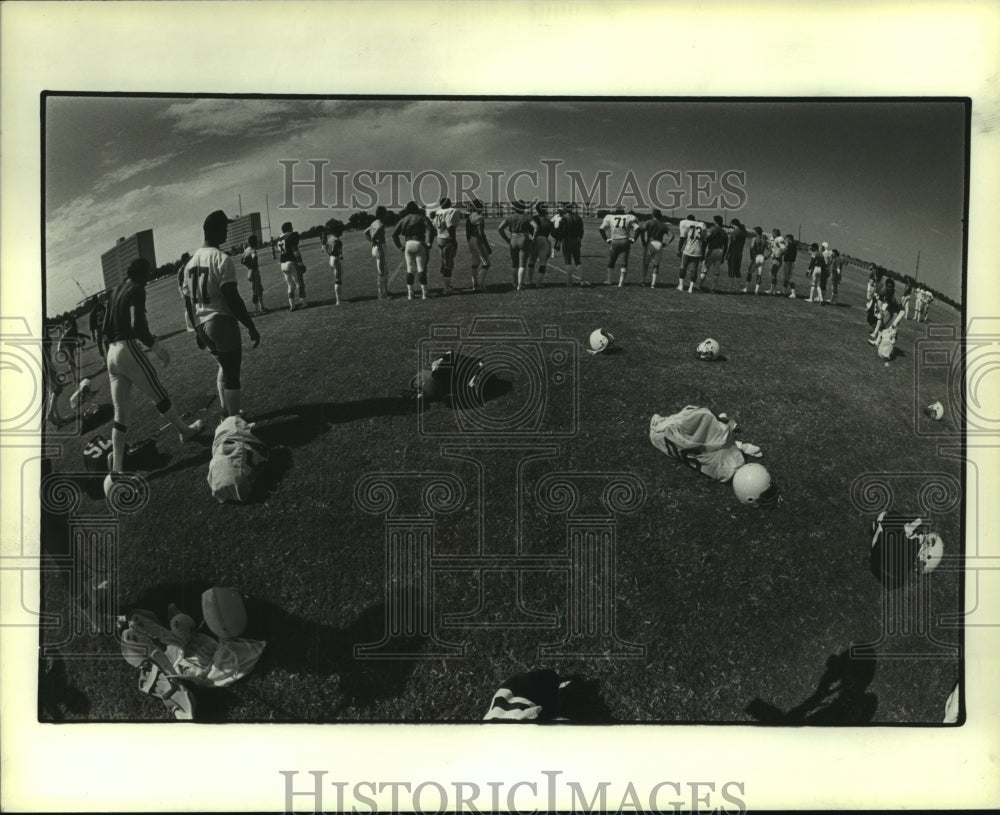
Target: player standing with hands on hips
column 217, row 310
column 618, row 230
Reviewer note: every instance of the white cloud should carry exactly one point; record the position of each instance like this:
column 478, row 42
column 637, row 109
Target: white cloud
column 128, row 171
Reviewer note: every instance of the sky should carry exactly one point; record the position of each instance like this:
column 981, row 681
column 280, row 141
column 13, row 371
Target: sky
column 878, row 180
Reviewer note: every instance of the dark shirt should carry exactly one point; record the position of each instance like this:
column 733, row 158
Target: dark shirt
column 737, row 240
column 413, row 227
column 656, row 230
column 288, row 248
column 543, row 226
column 125, row 318
column 570, row 227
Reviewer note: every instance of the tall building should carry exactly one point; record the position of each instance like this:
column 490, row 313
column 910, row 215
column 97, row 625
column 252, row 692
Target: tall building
column 115, row 262
column 240, row 230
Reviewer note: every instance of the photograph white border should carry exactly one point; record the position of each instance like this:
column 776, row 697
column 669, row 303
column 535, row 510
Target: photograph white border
column 431, row 48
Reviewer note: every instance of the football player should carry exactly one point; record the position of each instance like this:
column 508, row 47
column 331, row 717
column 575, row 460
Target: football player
column 569, row 238
column 693, row 251
column 541, row 247
column 125, row 327
column 777, row 250
column 655, row 234
column 479, row 246
column 334, row 247
column 292, row 266
column 218, row 310
column 517, row 230
column 758, row 249
column 716, row 246
column 734, row 254
column 253, row 275
column 418, row 233
column 375, row 233
column 618, row 231
column 446, row 224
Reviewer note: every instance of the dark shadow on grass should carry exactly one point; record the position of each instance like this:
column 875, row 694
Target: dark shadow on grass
column 56, row 696
column 299, row 424
column 94, row 419
column 271, row 474
column 839, row 698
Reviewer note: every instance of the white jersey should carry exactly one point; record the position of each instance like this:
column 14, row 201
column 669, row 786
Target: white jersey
column 619, row 226
column 204, row 276
column 695, row 437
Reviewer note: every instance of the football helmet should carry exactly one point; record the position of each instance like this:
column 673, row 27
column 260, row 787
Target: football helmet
column 708, row 349
column 935, row 411
column 753, row 485
column 930, row 552
column 600, row 340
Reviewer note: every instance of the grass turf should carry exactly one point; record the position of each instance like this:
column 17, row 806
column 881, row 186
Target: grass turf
column 730, row 603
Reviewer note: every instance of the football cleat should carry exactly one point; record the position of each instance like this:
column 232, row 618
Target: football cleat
column 753, row 485
column 708, row 349
column 935, row 411
column 600, row 340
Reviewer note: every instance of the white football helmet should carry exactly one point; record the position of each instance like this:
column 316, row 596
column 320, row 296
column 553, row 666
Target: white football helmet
column 930, row 552
column 708, row 349
column 600, row 340
column 752, row 485
column 935, row 411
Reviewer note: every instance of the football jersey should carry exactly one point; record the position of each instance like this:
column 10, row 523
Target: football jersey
column 698, row 439
column 250, row 258
column 413, row 227
column 125, row 318
column 444, row 219
column 717, row 238
column 656, row 230
column 778, row 246
column 543, row 226
column 288, row 248
column 694, row 243
column 570, row 227
column 619, row 226
column 376, row 232
column 737, row 240
column 204, row 276
column 519, row 223
column 334, row 246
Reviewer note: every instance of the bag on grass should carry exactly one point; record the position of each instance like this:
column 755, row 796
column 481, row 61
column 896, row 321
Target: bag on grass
column 237, row 456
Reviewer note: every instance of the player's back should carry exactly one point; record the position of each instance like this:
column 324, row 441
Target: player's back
column 208, row 270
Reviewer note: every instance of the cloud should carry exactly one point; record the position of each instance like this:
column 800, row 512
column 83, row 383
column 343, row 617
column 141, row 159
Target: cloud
column 229, row 117
column 129, row 170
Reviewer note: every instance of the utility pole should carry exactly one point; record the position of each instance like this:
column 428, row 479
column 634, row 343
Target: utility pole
column 240, row 199
column 916, row 272
column 267, row 206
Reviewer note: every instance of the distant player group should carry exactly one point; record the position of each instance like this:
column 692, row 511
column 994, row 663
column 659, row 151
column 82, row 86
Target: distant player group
column 533, row 239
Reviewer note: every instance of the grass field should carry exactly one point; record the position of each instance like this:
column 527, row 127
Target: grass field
column 731, row 604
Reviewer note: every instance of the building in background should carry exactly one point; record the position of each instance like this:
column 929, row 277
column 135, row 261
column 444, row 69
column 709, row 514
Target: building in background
column 115, row 262
column 240, row 230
